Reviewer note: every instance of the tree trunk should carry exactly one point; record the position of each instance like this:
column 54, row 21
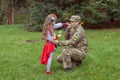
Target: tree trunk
column 10, row 13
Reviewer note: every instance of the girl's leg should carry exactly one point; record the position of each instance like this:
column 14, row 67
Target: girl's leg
column 49, row 62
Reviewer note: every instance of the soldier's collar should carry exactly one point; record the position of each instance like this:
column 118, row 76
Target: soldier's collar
column 76, row 27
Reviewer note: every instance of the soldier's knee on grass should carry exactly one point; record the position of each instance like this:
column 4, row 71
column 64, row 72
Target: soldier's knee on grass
column 60, row 60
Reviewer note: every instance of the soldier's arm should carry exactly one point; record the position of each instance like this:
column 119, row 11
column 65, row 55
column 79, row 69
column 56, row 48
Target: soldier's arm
column 75, row 38
column 67, row 33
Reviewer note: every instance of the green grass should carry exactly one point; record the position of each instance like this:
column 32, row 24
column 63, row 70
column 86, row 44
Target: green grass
column 19, row 60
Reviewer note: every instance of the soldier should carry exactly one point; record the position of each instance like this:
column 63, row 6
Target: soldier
column 77, row 44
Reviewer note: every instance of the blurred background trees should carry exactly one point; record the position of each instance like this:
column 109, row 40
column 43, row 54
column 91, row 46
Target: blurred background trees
column 33, row 12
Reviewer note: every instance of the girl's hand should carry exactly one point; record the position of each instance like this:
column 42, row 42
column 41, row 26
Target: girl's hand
column 55, row 42
column 68, row 24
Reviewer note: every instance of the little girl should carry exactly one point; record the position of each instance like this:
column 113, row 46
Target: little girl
column 48, row 36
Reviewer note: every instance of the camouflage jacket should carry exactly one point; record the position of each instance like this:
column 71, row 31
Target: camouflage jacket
column 77, row 39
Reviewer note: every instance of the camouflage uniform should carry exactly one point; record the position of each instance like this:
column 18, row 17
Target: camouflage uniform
column 77, row 49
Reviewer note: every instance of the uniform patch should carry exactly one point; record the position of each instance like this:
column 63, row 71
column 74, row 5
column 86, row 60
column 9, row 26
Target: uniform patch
column 76, row 37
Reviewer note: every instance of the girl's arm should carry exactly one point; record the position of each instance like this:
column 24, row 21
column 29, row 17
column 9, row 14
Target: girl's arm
column 59, row 25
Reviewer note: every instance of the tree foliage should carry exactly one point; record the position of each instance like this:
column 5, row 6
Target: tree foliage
column 91, row 11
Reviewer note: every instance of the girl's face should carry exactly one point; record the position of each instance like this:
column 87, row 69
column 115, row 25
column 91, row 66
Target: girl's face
column 53, row 20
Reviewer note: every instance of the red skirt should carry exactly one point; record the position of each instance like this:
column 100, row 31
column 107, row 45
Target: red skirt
column 48, row 48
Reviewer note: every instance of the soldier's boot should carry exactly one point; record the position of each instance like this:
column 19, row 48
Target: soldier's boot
column 76, row 63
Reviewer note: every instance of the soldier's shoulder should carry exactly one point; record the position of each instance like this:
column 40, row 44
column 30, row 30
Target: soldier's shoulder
column 80, row 28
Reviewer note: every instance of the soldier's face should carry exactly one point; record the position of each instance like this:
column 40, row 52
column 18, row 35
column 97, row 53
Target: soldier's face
column 74, row 23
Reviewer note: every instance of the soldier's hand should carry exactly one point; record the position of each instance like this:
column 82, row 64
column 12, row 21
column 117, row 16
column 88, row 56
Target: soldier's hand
column 68, row 28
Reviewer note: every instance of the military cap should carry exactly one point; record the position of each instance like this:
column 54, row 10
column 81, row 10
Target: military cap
column 75, row 18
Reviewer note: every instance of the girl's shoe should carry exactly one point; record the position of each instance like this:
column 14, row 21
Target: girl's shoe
column 49, row 73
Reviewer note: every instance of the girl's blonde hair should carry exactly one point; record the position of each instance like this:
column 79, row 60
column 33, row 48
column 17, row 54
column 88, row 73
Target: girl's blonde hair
column 47, row 24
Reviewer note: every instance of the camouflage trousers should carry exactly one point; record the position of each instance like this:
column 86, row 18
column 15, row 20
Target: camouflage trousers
column 70, row 57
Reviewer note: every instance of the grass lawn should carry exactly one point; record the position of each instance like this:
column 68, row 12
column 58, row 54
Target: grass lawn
column 19, row 58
